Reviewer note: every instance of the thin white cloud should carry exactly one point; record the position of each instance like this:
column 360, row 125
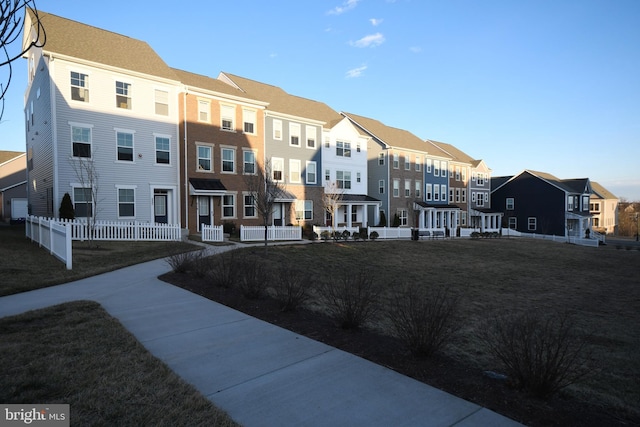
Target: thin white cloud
column 344, row 7
column 273, row 55
column 356, row 72
column 415, row 49
column 372, row 40
column 375, row 22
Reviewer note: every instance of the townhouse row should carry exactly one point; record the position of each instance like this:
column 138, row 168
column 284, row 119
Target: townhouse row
column 130, row 138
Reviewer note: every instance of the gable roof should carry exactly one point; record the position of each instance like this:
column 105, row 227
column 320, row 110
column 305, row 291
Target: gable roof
column 387, row 135
column 599, row 190
column 576, row 185
column 5, row 156
column 283, row 102
column 212, row 85
column 76, row 40
column 455, row 153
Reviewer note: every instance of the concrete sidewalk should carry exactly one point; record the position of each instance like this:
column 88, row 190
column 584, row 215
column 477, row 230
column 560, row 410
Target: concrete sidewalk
column 262, row 375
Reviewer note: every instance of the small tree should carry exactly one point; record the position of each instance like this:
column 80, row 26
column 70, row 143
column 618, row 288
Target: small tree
column 383, row 220
column 66, row 208
column 331, row 200
column 87, row 174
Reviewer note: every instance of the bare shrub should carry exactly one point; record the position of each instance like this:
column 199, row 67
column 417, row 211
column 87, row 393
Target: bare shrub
column 223, row 269
column 253, row 278
column 182, row 262
column 351, row 299
column 424, row 317
column 201, row 265
column 541, row 351
column 292, row 287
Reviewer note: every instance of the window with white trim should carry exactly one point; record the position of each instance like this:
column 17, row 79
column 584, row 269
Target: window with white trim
column 480, row 199
column 473, row 197
column 429, row 192
column 249, row 121
column 249, row 202
column 277, row 168
column 381, row 159
column 295, row 174
column 570, row 203
column 126, row 203
column 277, row 130
column 358, row 177
column 204, row 158
column 161, row 102
column 123, row 95
column 294, row 134
column 436, row 191
column 228, row 206
column 327, row 142
column 227, row 117
column 443, row 193
column 510, row 203
column 404, row 216
column 83, row 202
column 163, row 153
column 418, row 189
column 532, row 223
column 418, row 163
column 311, row 172
column 327, row 175
column 343, row 149
column 407, row 188
column 463, row 195
column 436, row 168
column 396, row 161
column 248, row 162
column 343, row 180
column 407, row 162
column 79, row 87
column 429, row 161
column 513, row 222
column 204, row 107
column 124, row 143
column 444, row 169
column 457, row 173
column 480, row 178
column 311, row 134
column 304, row 210
column 451, row 194
column 463, row 174
column 396, row 187
column 228, row 158
column 457, row 195
column 381, row 186
column 81, row 141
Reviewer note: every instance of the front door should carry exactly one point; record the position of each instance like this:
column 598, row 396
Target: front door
column 160, row 206
column 204, row 211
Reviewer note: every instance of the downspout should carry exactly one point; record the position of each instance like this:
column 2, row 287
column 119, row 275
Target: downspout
column 185, row 197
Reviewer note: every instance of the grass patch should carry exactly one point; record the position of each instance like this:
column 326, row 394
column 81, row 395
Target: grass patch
column 25, row 266
column 77, row 354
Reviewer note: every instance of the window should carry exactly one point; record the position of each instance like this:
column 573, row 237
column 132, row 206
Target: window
column 358, row 177
column 480, row 200
column 464, row 195
column 463, row 217
column 162, row 102
column 123, row 95
column 509, row 203
column 249, row 162
column 294, row 171
column 311, row 137
column 473, row 176
column 585, row 203
column 407, row 162
column 436, row 191
column 532, row 223
column 457, row 173
column 418, row 163
column 294, row 134
column 249, row 121
column 228, row 206
column 381, row 159
column 354, row 213
column 457, row 195
column 358, row 147
column 327, row 175
column 444, row 169
column 277, row 130
column 381, row 186
column 249, row 206
column 126, row 203
column 436, row 168
column 418, row 189
column 429, row 192
column 570, row 203
column 228, row 160
column 124, row 142
column 407, row 188
column 464, row 174
column 227, row 116
column 480, row 179
column 396, row 188
column 327, row 142
column 473, row 197
column 81, row 141
column 277, row 167
column 396, row 161
column 513, row 223
column 594, row 207
column 79, row 87
column 304, row 209
column 428, row 165
column 204, row 158
column 311, row 173
column 83, row 202
column 163, row 146
column 343, row 149
column 443, row 194
column 203, row 111
column 402, row 214
column 343, row 180
column 451, row 195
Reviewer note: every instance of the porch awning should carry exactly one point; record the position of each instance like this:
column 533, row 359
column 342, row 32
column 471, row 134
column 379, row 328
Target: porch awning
column 359, row 199
column 206, row 187
column 284, row 196
column 481, row 212
column 427, row 206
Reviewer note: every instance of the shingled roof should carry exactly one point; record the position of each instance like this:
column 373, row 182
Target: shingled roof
column 5, row 156
column 455, row 153
column 210, row 84
column 601, row 191
column 76, row 40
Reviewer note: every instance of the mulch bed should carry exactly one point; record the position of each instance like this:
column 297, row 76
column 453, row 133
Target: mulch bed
column 452, row 376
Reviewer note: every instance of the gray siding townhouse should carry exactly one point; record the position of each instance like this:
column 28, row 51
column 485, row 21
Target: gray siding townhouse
column 101, row 119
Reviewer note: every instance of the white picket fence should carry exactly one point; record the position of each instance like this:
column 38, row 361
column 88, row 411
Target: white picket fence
column 53, row 236
column 256, row 233
column 562, row 239
column 391, row 232
column 122, row 231
column 212, row 233
column 319, row 230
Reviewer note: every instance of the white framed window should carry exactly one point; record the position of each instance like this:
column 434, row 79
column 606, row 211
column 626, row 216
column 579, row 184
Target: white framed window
column 429, row 192
column 83, row 202
column 126, row 203
column 304, row 210
column 407, row 162
column 513, row 222
column 228, row 158
column 343, row 149
column 381, row 159
column 249, row 121
column 343, row 180
column 327, row 175
column 277, row 168
column 248, row 162
column 205, row 162
column 480, row 179
column 161, row 102
column 407, row 188
column 418, row 165
column 123, row 95
column 277, row 130
column 443, row 193
column 418, row 189
column 163, row 150
column 457, row 173
column 381, row 186
column 451, row 194
column 403, row 215
column 532, row 223
column 429, row 161
column 570, row 203
column 473, row 176
column 227, row 117
column 480, row 199
column 295, row 175
column 436, row 168
column 436, row 191
column 294, row 134
column 79, row 86
column 463, row 195
column 457, row 195
column 443, row 167
column 396, row 187
column 249, row 202
column 473, row 197
column 81, row 140
column 463, row 174
column 327, row 142
column 358, row 177
column 396, row 161
column 510, row 203
column 124, row 144
column 311, row 172
column 311, row 134
column 229, row 206
column 358, row 147
column 204, row 111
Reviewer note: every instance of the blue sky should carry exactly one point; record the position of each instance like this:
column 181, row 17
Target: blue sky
column 549, row 85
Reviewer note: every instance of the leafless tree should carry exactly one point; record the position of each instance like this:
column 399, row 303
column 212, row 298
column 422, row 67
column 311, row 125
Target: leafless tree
column 11, row 24
column 331, row 200
column 87, row 176
column 265, row 188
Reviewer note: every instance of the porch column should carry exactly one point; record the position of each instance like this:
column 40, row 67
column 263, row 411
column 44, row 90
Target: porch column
column 348, row 212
